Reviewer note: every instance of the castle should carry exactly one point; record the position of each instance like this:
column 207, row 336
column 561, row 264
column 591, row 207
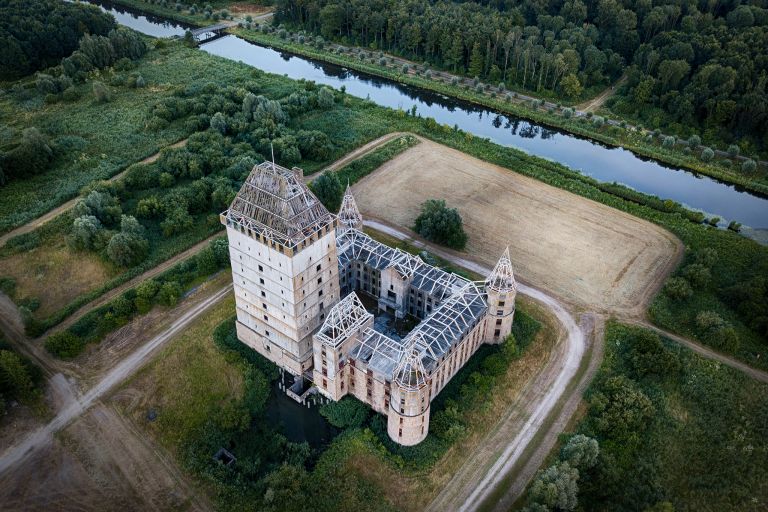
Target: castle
column 297, row 271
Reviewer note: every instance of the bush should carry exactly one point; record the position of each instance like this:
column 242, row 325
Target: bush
column 169, row 293
column 580, row 452
column 749, row 166
column 694, row 141
column 707, row 155
column 441, row 224
column 669, row 142
column 678, row 288
column 328, row 190
column 64, row 344
column 734, row 150
column 101, row 93
column 346, row 413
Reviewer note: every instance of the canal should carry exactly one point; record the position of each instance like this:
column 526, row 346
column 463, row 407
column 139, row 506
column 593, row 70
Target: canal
column 591, row 158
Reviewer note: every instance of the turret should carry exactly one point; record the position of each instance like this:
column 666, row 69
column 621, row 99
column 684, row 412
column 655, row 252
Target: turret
column 349, row 215
column 408, row 415
column 502, row 290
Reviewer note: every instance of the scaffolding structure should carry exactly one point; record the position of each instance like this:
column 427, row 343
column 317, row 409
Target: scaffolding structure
column 343, row 321
column 275, row 203
column 349, row 215
column 502, row 278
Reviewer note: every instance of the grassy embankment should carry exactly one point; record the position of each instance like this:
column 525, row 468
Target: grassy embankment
column 674, row 429
column 549, row 114
column 229, row 386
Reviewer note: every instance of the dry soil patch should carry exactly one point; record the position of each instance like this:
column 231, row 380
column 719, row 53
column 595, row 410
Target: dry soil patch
column 590, row 254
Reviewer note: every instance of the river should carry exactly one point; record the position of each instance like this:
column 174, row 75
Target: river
column 591, row 158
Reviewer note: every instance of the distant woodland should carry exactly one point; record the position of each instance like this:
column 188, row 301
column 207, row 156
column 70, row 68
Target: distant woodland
column 36, row 35
column 694, row 66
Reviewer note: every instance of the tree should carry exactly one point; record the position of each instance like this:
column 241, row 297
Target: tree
column 441, row 224
column 649, row 356
column 475, row 61
column 580, row 452
column 101, row 205
column 325, row 98
column 125, row 250
column 556, row 487
column 734, row 150
column 31, row 156
column 621, row 410
column 85, row 231
column 707, row 155
column 64, row 344
column 15, row 378
column 169, row 293
column 571, row 86
column 219, row 123
column 678, row 288
column 328, row 190
column 749, row 166
column 145, row 295
column 697, row 274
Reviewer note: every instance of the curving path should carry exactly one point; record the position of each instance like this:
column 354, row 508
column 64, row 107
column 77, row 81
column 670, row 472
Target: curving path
column 481, row 474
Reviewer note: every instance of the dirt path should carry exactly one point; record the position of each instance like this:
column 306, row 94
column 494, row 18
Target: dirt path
column 42, row 437
column 354, row 155
column 111, row 294
column 479, row 477
column 36, row 223
column 598, row 101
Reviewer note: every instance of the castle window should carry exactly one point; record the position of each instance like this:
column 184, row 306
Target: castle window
column 266, row 319
column 498, row 321
column 325, row 383
column 263, row 293
column 317, row 267
column 500, row 312
column 496, row 333
column 400, row 433
column 401, row 421
column 261, row 269
column 501, row 303
column 264, row 305
column 319, row 280
column 320, row 293
column 261, row 280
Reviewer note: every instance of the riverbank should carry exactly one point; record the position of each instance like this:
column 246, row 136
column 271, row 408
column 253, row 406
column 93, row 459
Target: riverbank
column 609, row 132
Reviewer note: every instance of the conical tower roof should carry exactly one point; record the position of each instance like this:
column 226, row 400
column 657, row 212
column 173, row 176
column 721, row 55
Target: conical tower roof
column 349, row 214
column 502, row 279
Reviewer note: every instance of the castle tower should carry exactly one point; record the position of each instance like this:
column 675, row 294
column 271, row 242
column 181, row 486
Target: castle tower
column 409, row 400
column 349, row 215
column 282, row 245
column 502, row 290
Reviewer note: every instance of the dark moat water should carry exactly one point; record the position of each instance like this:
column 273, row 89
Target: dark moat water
column 591, row 158
column 296, row 421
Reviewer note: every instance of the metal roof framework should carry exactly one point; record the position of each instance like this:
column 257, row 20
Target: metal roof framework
column 502, row 278
column 344, row 319
column 275, row 203
column 349, row 215
column 378, row 352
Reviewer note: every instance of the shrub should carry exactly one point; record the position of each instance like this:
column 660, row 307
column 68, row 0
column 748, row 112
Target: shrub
column 668, row 142
column 694, row 141
column 64, row 344
column 169, row 293
column 101, row 92
column 707, row 155
column 678, row 288
column 580, row 452
column 346, row 413
column 749, row 166
column 328, row 190
column 734, row 150
column 441, row 224
column 405, row 69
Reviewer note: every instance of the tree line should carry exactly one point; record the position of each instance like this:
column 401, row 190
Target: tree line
column 694, row 67
column 35, row 35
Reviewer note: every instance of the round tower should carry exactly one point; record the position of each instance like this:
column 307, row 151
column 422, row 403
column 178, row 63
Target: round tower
column 502, row 291
column 408, row 415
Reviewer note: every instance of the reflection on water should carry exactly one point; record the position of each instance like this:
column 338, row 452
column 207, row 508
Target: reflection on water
column 589, row 157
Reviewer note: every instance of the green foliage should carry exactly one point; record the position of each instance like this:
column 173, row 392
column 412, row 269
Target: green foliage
column 64, row 344
column 328, row 190
column 363, row 166
column 441, row 224
column 19, row 378
column 580, row 452
column 555, row 487
column 677, row 453
column 346, row 413
column 36, row 35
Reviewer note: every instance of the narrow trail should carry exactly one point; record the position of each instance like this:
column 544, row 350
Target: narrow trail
column 114, row 292
column 354, row 155
column 120, row 372
column 503, row 448
column 702, row 350
column 598, row 101
column 52, row 214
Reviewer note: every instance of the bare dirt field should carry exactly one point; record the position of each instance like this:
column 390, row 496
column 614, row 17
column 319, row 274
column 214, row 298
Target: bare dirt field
column 587, row 253
column 55, row 275
column 96, row 464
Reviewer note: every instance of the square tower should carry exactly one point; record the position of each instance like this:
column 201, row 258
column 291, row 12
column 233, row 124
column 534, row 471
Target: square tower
column 282, row 246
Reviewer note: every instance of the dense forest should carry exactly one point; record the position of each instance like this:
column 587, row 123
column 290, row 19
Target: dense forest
column 694, row 67
column 35, row 35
